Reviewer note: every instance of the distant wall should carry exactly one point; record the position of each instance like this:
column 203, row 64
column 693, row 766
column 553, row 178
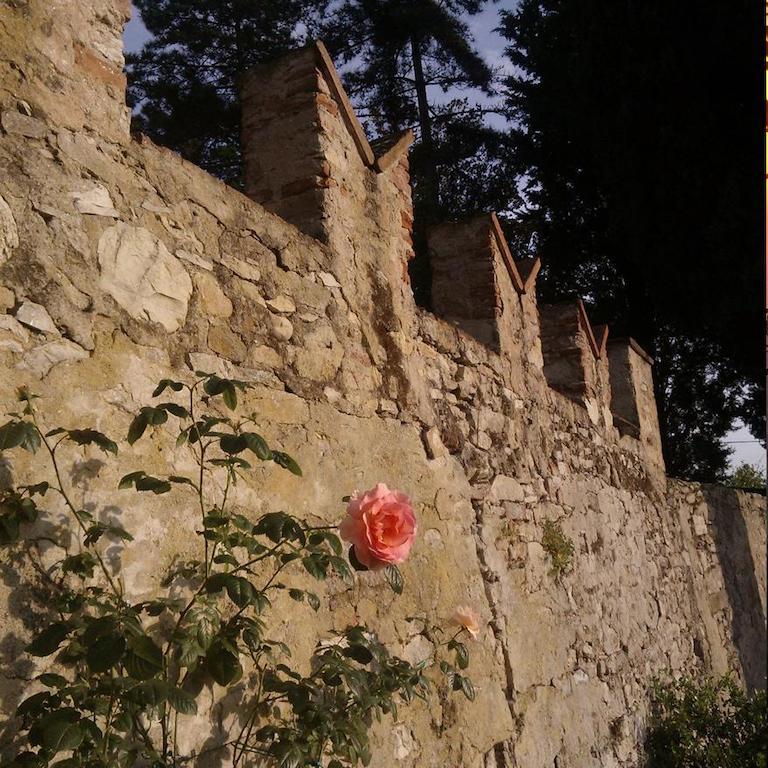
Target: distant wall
column 120, row 264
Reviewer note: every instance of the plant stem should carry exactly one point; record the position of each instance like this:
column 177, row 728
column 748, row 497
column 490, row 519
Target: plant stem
column 52, row 453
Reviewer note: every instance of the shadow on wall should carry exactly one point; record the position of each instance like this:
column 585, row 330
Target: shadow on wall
column 739, row 565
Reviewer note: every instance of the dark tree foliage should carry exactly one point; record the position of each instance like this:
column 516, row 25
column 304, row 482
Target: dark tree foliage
column 408, row 58
column 637, row 142
column 183, row 83
column 707, row 724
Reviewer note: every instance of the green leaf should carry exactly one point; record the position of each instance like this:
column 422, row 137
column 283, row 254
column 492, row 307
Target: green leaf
column 230, row 397
column 394, row 579
column 97, row 530
column 51, row 680
column 297, row 595
column 105, row 653
column 49, row 639
column 222, row 665
column 204, row 621
column 313, row 600
column 143, row 659
column 182, row 701
column 15, row 434
column 82, row 564
column 92, row 436
column 138, row 427
column 285, row 461
column 233, row 443
column 177, row 410
column 462, row 656
column 359, row 653
column 57, row 731
column 163, row 384
column 467, row 688
column 128, row 481
column 36, row 704
column 258, row 445
column 150, row 693
column 316, row 565
column 181, row 480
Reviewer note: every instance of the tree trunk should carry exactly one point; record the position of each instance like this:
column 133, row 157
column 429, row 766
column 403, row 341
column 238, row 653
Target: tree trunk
column 431, row 191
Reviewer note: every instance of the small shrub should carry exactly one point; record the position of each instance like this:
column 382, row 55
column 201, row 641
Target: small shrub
column 559, row 548
column 708, row 724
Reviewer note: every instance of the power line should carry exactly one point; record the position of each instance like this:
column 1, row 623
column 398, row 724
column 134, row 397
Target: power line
column 733, row 442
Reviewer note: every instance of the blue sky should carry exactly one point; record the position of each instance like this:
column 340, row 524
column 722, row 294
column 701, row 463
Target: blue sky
column 491, row 45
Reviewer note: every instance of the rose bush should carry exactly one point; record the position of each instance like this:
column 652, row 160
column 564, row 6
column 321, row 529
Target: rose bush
column 381, row 527
column 123, row 675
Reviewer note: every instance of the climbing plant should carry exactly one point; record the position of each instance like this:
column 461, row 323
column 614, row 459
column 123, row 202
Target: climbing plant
column 127, row 673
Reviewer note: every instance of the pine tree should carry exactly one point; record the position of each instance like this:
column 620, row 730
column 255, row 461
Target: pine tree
column 184, row 82
column 634, row 135
column 413, row 65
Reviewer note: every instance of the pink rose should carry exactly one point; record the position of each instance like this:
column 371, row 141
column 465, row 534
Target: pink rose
column 466, row 618
column 380, row 525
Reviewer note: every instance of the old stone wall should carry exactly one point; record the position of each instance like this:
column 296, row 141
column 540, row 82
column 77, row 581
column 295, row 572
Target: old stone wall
column 121, row 264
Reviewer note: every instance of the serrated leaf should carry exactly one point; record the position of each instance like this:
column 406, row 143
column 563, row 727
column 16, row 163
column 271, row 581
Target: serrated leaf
column 19, row 434
column 313, row 600
column 467, row 688
column 182, row 701
column 143, row 659
column 230, row 397
column 258, row 445
column 52, row 680
column 36, row 703
column 394, row 579
column 285, row 461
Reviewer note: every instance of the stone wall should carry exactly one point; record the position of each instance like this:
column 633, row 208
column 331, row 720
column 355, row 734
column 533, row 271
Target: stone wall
column 120, row 264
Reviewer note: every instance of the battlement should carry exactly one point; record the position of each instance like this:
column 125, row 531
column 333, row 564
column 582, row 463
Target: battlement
column 308, row 160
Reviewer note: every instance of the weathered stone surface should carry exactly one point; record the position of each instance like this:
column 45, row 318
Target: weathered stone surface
column 16, row 122
column 35, row 316
column 96, row 201
column 504, row 488
column 9, row 234
column 42, row 359
column 283, row 304
column 226, row 343
column 139, row 272
column 282, row 328
column 213, row 299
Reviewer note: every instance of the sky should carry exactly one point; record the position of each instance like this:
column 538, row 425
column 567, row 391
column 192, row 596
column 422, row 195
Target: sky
column 491, row 45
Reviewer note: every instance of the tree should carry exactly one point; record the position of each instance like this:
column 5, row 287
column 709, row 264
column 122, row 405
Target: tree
column 404, row 53
column 184, row 82
column 634, row 140
column 746, row 476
